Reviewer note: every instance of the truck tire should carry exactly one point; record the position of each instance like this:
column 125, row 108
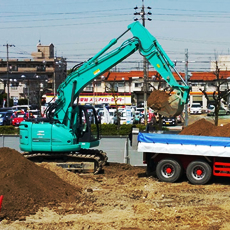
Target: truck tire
column 199, row 172
column 168, row 170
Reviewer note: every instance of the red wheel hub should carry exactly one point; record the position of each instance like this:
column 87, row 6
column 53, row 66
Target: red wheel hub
column 168, row 170
column 199, row 172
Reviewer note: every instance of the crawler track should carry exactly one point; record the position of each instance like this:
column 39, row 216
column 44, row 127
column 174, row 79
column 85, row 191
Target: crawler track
column 84, row 155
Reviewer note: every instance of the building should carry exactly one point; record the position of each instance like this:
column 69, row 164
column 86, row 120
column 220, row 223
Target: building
column 223, row 63
column 43, row 73
column 128, row 86
column 30, row 78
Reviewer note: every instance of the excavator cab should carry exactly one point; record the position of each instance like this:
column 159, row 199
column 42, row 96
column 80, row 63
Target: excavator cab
column 88, row 129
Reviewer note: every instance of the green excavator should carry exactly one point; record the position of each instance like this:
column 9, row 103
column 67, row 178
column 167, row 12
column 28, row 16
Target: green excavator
column 70, row 129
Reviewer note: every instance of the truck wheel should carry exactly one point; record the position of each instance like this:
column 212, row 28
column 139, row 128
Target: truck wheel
column 199, row 172
column 168, row 170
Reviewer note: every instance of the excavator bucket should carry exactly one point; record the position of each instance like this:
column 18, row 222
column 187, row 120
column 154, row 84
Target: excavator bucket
column 165, row 104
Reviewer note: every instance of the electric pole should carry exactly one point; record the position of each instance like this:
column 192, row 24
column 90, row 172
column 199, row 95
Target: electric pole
column 145, row 89
column 186, row 81
column 7, row 71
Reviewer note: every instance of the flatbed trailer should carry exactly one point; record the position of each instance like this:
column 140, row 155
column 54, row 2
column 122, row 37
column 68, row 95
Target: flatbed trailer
column 172, row 155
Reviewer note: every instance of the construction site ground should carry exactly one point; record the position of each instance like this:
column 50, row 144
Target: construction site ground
column 45, row 196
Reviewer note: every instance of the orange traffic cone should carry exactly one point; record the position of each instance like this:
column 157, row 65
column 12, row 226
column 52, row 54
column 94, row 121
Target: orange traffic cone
column 1, row 198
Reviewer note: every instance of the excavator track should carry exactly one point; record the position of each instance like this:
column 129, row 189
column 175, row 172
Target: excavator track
column 84, row 155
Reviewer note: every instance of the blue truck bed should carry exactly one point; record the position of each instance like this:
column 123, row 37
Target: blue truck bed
column 184, row 144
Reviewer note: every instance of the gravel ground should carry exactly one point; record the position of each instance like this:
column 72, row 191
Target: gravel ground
column 123, row 197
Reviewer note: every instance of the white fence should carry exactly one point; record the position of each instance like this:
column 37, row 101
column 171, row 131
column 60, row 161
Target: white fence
column 118, row 149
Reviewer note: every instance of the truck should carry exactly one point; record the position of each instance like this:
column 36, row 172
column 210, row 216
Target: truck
column 169, row 156
column 70, row 129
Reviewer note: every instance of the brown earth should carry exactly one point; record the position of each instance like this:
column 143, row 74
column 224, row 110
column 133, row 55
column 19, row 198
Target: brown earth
column 157, row 99
column 203, row 127
column 45, row 196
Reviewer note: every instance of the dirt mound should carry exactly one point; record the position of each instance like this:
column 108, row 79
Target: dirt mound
column 203, row 127
column 157, row 98
column 27, row 186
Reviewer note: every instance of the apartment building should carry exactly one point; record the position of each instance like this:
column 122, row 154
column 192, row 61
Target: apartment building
column 31, row 78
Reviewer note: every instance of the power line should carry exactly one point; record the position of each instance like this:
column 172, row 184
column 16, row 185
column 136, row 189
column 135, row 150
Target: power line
column 65, row 25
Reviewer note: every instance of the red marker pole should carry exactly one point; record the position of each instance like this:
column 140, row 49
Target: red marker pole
column 1, row 198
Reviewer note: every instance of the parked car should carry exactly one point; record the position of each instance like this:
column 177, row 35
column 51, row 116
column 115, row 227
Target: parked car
column 22, row 107
column 169, row 121
column 113, row 116
column 137, row 117
column 36, row 113
column 102, row 119
column 4, row 109
column 196, row 108
column 141, row 110
column 222, row 111
column 5, row 117
column 19, row 118
column 123, row 119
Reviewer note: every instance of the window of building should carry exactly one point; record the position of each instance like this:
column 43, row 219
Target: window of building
column 120, row 84
column 14, row 88
column 98, row 84
column 194, row 83
column 137, row 85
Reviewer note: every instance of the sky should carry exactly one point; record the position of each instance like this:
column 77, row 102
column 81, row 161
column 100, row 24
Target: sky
column 81, row 28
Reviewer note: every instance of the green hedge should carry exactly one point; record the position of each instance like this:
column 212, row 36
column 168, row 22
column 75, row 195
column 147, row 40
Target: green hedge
column 105, row 129
column 9, row 130
column 111, row 129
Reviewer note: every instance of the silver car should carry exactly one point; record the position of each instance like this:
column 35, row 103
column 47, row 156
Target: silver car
column 222, row 111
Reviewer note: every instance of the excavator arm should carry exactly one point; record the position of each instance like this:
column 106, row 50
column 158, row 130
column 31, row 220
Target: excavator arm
column 146, row 44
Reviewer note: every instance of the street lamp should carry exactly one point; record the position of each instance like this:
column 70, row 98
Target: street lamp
column 59, row 72
column 28, row 89
column 7, row 63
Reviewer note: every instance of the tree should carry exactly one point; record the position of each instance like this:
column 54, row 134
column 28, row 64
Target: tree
column 111, row 88
column 217, row 95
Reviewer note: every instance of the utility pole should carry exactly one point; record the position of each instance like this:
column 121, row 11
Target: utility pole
column 186, row 81
column 145, row 89
column 7, row 71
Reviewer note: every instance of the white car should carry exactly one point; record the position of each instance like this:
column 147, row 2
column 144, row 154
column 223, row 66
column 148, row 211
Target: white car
column 196, row 108
column 123, row 119
column 112, row 116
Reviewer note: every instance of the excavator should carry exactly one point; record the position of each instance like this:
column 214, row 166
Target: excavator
column 71, row 129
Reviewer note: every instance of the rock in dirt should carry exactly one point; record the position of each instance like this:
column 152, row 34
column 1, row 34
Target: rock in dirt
column 27, row 187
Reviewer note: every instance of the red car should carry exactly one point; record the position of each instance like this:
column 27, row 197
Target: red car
column 20, row 117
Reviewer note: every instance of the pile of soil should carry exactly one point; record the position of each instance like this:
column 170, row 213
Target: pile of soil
column 157, row 99
column 27, row 187
column 203, row 127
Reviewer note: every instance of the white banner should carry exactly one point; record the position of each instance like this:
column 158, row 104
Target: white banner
column 128, row 114
column 121, row 100
column 84, row 99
